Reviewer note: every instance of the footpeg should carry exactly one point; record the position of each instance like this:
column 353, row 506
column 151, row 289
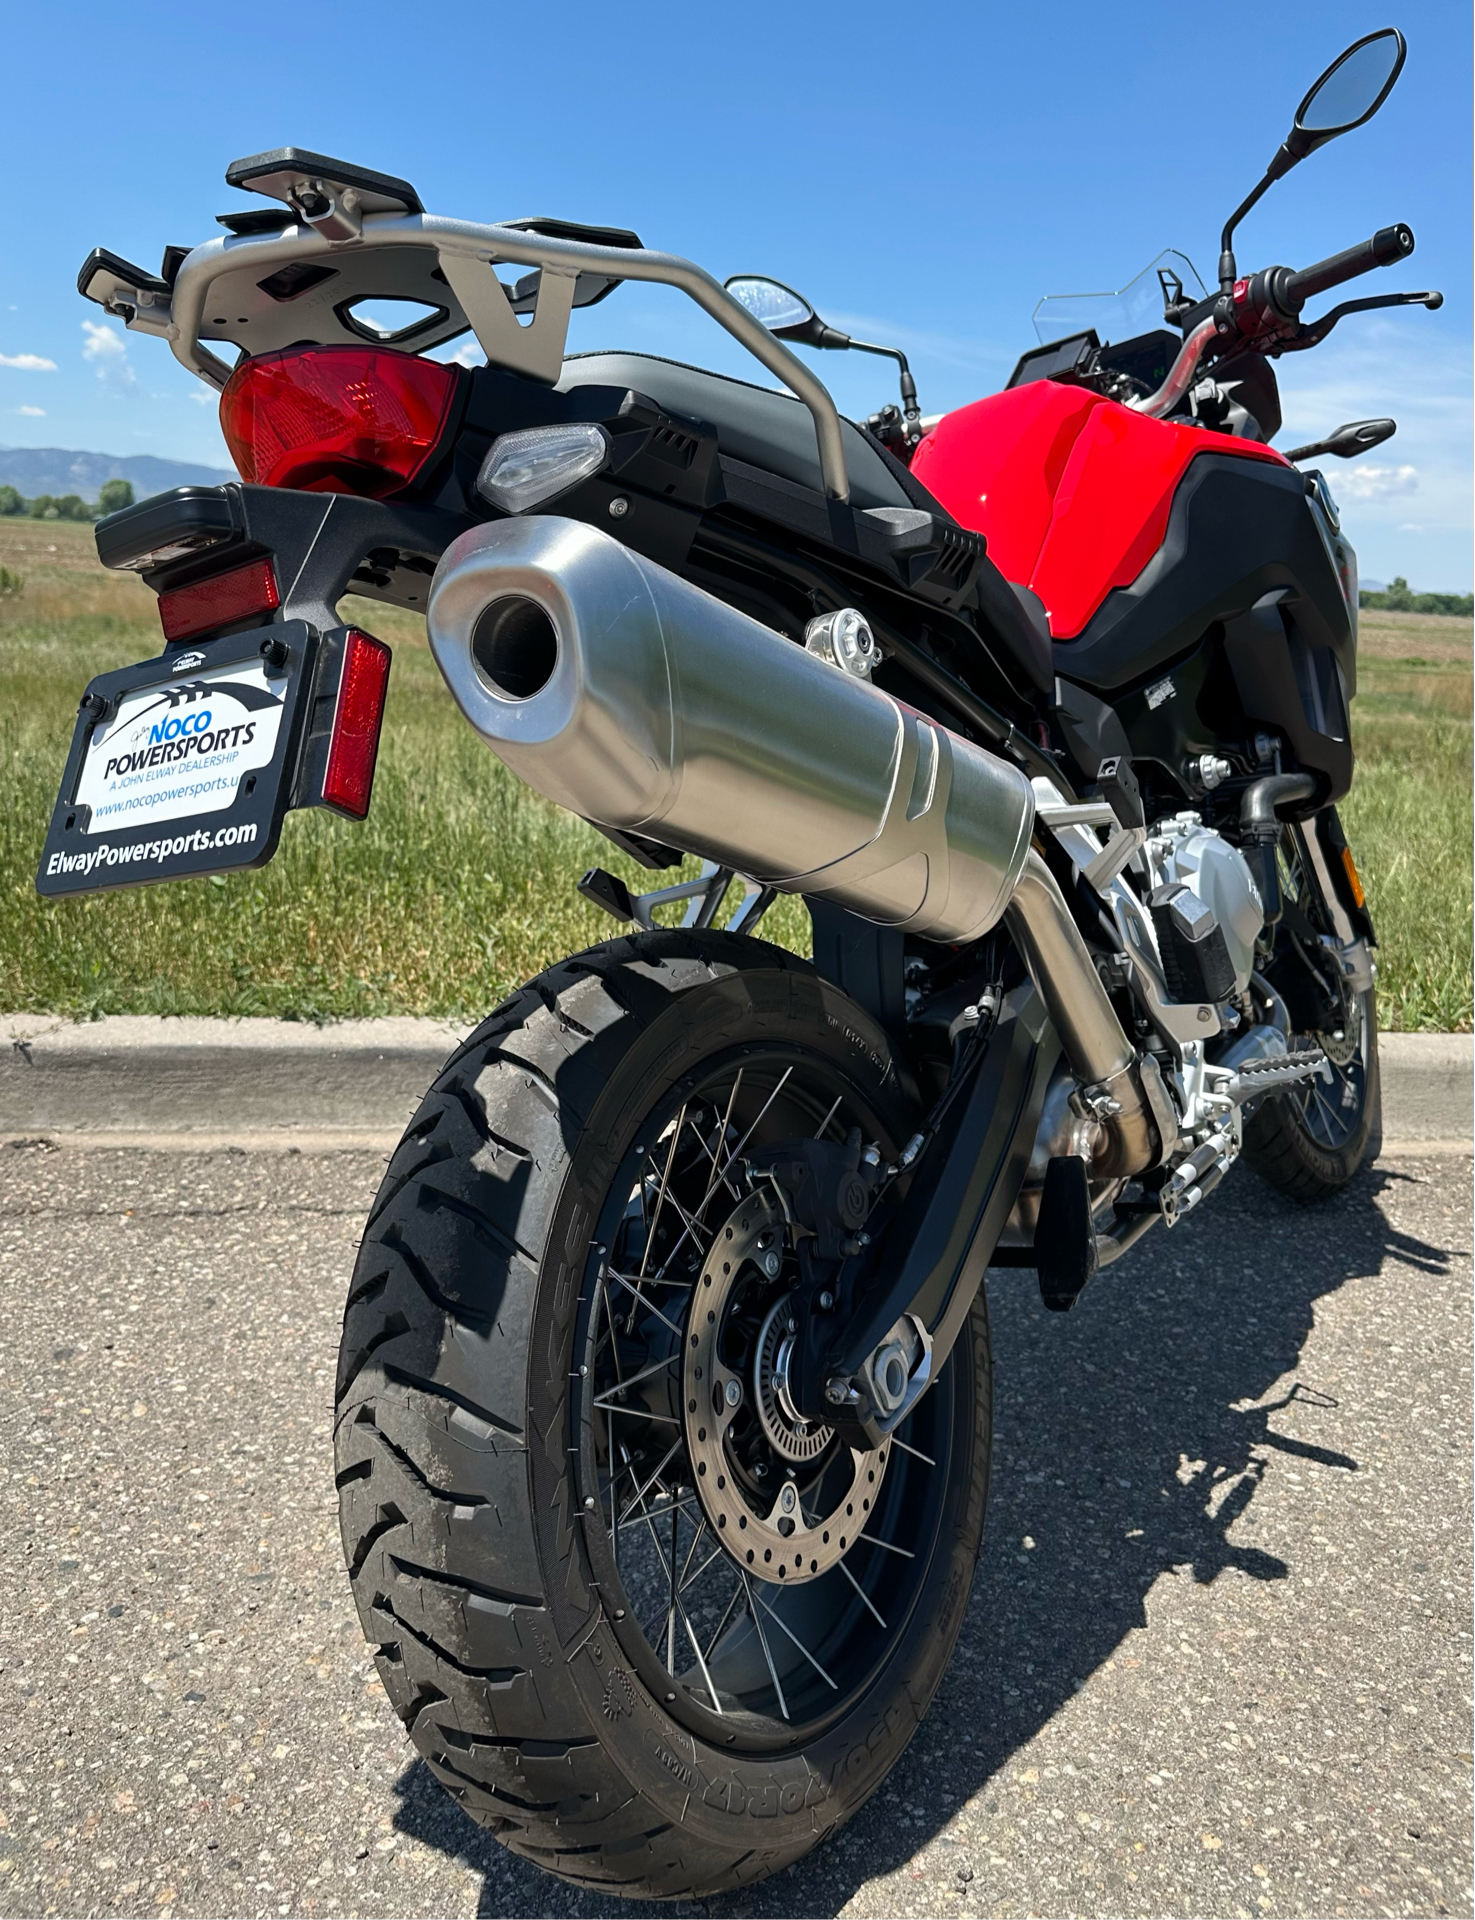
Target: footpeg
column 1264, row 1076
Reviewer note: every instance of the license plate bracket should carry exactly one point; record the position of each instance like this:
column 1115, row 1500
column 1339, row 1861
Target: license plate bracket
column 184, row 765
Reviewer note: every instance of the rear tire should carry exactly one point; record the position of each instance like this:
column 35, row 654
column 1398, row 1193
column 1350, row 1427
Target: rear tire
column 481, row 1566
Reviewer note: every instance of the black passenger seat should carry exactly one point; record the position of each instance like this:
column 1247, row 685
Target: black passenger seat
column 754, row 424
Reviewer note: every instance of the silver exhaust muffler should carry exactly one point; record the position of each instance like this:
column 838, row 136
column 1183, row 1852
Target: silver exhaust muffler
column 642, row 703
column 636, row 700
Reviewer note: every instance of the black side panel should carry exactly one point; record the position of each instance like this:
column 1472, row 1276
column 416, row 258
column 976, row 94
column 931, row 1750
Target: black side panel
column 1238, row 530
column 1293, row 689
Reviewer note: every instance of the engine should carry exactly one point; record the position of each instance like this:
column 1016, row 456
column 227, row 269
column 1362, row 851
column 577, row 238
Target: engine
column 1206, row 910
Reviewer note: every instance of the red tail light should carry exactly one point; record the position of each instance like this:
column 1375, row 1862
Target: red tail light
column 354, row 746
column 241, row 594
column 358, row 420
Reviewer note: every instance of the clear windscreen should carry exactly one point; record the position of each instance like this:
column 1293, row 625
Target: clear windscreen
column 1134, row 309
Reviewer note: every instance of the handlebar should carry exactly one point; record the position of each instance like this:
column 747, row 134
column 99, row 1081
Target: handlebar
column 1270, row 302
column 1386, row 246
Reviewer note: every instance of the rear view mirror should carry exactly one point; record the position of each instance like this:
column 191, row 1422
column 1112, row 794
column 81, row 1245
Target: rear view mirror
column 1351, row 90
column 786, row 314
column 1358, row 436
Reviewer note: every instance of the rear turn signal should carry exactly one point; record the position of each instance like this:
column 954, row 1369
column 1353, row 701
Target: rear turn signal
column 361, row 420
column 354, row 746
column 207, row 606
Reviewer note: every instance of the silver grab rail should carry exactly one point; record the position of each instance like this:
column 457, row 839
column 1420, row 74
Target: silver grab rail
column 468, row 253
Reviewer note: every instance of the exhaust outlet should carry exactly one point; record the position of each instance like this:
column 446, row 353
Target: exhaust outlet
column 642, row 703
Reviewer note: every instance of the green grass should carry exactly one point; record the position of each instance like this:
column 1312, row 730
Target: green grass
column 458, row 886
column 461, row 882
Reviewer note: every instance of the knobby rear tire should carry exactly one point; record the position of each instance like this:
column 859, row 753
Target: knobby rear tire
column 464, row 1536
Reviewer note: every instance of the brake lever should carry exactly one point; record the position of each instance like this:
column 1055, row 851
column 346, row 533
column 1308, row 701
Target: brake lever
column 1313, row 335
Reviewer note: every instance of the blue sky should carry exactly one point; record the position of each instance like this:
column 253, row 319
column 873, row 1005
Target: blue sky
column 924, row 173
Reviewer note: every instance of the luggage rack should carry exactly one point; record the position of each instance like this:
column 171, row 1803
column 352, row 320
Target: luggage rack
column 348, row 236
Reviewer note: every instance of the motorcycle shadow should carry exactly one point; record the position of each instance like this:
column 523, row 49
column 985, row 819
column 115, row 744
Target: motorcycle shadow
column 1130, row 1436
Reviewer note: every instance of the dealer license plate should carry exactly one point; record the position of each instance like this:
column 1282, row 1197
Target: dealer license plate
column 181, row 766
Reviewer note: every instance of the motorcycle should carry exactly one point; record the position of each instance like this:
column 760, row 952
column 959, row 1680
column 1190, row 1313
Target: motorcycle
column 663, row 1407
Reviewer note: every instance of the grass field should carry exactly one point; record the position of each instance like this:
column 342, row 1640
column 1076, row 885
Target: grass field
column 460, row 884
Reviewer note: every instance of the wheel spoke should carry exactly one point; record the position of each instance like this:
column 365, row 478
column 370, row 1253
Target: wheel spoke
column 719, row 1552
column 696, row 1647
column 885, row 1545
column 656, row 1366
column 634, row 1522
column 784, row 1627
column 865, row 1597
column 737, row 1593
column 913, row 1451
column 721, row 1173
column 661, row 1197
column 649, row 1305
column 783, row 1705
column 671, row 1603
column 636, row 1498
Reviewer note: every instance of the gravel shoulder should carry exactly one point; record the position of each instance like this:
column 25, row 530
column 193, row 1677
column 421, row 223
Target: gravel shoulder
column 1217, row 1658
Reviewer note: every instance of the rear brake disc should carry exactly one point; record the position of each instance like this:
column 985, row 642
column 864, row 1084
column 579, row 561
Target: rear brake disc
column 802, row 1531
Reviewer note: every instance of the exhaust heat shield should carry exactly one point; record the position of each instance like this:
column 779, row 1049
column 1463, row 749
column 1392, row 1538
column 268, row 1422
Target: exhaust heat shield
column 636, row 700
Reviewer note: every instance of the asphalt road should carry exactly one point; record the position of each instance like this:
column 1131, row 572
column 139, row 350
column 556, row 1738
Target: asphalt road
column 1217, row 1660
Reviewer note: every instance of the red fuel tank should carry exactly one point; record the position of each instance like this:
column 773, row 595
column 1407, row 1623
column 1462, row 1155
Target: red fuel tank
column 1071, row 490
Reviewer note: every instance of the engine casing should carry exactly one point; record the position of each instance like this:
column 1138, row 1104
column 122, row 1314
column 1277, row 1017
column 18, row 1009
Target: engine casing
column 1183, row 849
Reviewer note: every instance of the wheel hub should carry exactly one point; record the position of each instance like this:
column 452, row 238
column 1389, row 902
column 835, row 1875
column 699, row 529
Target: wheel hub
column 1344, row 1045
column 787, row 1500
column 786, row 1430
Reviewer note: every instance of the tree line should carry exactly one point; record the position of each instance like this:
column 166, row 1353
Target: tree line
column 1398, row 597
column 112, row 498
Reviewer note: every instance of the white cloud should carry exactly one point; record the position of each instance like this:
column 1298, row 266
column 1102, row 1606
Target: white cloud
column 101, row 342
column 108, row 352
column 33, row 413
column 1418, row 372
column 467, row 354
column 1372, row 482
column 28, row 362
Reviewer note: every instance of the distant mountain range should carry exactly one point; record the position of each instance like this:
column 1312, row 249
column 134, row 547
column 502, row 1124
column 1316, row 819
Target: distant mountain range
column 33, row 470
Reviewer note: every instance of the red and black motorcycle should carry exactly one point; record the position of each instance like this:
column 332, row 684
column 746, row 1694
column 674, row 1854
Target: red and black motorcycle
column 663, row 1423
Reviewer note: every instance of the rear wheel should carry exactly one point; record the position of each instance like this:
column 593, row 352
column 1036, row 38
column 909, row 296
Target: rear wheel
column 1311, row 1139
column 647, row 1624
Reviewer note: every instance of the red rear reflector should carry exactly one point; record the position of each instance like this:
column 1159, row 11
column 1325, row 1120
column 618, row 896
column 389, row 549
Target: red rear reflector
column 358, row 420
column 241, row 594
column 354, row 746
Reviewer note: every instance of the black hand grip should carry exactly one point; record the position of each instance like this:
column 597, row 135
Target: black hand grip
column 1386, row 246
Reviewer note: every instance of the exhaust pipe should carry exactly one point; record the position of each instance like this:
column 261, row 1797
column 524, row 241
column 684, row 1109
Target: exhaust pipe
column 1127, row 1095
column 634, row 699
column 641, row 703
